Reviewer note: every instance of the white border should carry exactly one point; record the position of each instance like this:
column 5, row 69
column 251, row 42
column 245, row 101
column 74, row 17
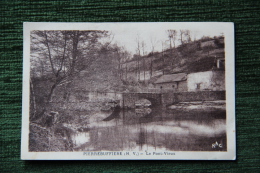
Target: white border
column 226, row 28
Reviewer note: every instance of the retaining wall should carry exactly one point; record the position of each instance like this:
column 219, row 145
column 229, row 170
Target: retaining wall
column 172, row 98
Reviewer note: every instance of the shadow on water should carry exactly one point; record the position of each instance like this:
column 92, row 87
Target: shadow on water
column 115, row 114
column 155, row 129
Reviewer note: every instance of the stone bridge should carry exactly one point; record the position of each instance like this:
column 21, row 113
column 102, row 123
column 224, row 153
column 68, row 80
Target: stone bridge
column 129, row 99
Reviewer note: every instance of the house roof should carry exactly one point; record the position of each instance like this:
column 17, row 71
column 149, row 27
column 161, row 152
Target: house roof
column 172, row 78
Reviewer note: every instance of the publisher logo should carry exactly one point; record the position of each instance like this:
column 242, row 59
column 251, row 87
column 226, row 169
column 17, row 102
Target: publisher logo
column 217, row 145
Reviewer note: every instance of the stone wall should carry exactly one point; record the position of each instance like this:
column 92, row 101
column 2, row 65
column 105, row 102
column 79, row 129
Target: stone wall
column 180, row 86
column 172, row 98
column 208, row 80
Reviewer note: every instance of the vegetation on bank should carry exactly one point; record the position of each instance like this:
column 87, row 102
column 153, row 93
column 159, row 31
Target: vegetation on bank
column 64, row 62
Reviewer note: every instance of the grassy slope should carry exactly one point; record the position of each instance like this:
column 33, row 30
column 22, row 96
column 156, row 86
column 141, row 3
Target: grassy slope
column 187, row 58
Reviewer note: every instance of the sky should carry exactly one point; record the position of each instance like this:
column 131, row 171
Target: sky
column 126, row 33
column 127, row 37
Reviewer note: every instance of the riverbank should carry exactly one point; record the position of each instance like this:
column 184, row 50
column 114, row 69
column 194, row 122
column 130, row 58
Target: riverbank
column 200, row 105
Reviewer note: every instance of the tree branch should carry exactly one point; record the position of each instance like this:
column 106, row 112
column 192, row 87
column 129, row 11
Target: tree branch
column 63, row 56
column 49, row 52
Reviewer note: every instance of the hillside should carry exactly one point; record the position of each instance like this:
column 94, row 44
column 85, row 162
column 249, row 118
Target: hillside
column 136, row 74
column 191, row 57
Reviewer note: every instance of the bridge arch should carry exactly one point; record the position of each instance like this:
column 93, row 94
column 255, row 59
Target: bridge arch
column 129, row 99
column 153, row 101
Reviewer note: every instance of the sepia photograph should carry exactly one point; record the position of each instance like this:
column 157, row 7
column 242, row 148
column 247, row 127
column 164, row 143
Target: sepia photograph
column 129, row 91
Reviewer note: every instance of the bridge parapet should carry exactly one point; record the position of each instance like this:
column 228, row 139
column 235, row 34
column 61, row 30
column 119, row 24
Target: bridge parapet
column 169, row 98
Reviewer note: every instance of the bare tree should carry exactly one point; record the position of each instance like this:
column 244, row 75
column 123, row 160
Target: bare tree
column 163, row 56
column 66, row 53
column 126, row 56
column 143, row 49
column 121, row 56
column 118, row 56
column 138, row 50
column 153, row 43
column 182, row 40
column 187, row 35
column 172, row 35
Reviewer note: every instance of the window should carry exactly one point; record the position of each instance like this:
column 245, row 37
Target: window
column 221, row 63
column 174, row 86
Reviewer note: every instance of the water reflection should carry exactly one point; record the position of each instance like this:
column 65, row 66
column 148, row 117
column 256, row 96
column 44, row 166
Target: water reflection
column 80, row 138
column 154, row 129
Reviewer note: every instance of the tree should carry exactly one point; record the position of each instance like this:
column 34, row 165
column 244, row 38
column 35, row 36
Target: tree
column 63, row 55
column 185, row 36
column 172, row 35
column 143, row 49
column 138, row 51
column 126, row 57
column 163, row 57
column 120, row 55
column 153, row 43
column 182, row 36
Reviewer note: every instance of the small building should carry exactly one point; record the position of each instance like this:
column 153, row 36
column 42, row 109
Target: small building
column 206, row 74
column 176, row 82
column 213, row 80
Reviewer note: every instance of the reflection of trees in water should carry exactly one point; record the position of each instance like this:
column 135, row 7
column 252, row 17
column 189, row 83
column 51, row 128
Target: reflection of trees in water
column 179, row 131
column 132, row 131
column 135, row 138
column 142, row 138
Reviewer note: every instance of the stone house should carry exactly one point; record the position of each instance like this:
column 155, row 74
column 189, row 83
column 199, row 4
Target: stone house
column 176, row 82
column 210, row 76
column 207, row 80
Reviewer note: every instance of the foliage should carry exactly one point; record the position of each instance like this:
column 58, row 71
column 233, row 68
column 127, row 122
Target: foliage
column 58, row 56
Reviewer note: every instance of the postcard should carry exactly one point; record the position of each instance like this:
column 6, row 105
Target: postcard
column 128, row 91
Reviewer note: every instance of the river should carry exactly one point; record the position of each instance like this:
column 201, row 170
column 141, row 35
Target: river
column 156, row 129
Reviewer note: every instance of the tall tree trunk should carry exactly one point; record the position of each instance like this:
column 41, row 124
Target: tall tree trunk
column 126, row 71
column 32, row 99
column 74, row 52
column 163, row 64
column 172, row 58
column 144, row 67
column 163, row 59
column 170, row 43
column 151, row 67
column 51, row 92
column 136, row 71
column 39, row 117
column 119, row 70
column 138, row 67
